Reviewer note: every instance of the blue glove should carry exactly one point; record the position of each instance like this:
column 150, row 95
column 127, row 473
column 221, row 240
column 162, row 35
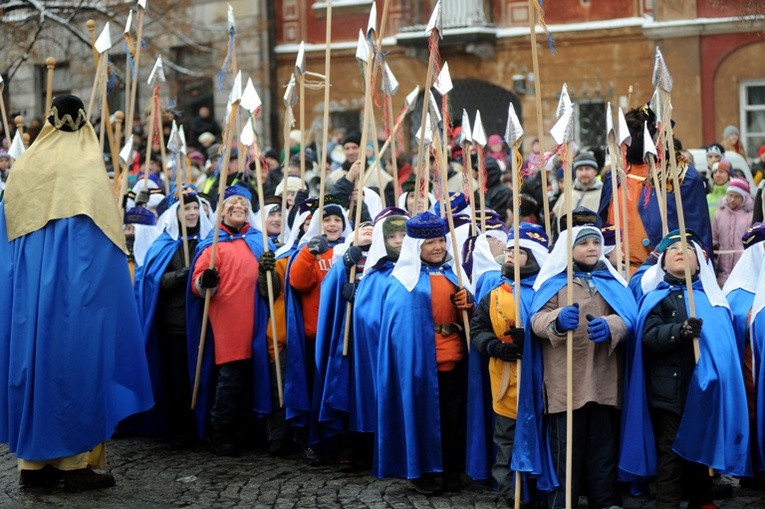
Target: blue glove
column 597, row 329
column 568, row 318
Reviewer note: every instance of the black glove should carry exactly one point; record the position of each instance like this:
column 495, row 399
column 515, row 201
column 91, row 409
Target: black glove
column 505, row 351
column 352, row 256
column 691, row 328
column 318, row 245
column 209, row 278
column 181, row 276
column 267, row 261
column 518, row 335
column 349, row 291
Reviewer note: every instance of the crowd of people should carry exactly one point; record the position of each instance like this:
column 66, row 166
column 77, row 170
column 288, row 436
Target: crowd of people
column 342, row 323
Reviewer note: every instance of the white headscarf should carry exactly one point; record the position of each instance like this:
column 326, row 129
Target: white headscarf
column 483, row 261
column 402, row 201
column 145, row 235
column 541, row 254
column 372, row 201
column 557, row 261
column 407, row 269
column 747, row 270
column 258, row 224
column 759, row 297
column 168, row 221
column 313, row 227
column 293, row 233
column 655, row 275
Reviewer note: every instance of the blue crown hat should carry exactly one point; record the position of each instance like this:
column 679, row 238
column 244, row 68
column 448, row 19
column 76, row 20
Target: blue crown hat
column 495, row 224
column 754, row 235
column 189, row 194
column 457, row 201
column 609, row 234
column 460, row 220
column 530, row 231
column 140, row 215
column 236, row 190
column 426, row 225
column 390, row 211
column 308, row 205
column 674, row 236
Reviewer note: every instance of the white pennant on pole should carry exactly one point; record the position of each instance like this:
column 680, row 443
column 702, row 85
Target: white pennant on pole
column 443, row 83
column 624, row 136
column 17, row 146
column 466, row 134
column 104, row 41
column 435, row 21
column 478, row 134
column 411, row 99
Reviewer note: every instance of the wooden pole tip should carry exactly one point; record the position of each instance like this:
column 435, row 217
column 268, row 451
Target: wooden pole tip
column 91, row 24
column 50, row 62
column 19, row 121
column 119, row 116
column 25, row 139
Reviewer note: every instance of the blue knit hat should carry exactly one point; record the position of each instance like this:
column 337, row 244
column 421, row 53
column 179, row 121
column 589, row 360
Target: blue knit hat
column 674, row 236
column 426, row 225
column 237, row 191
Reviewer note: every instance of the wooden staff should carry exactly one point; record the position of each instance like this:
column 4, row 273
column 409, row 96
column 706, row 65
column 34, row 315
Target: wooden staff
column 447, row 205
column 393, row 153
column 118, row 118
column 4, row 114
column 660, row 198
column 567, row 184
column 96, row 86
column 391, row 140
column 214, row 252
column 162, row 153
column 325, row 121
column 615, row 154
column 150, row 145
column 106, row 123
column 379, row 168
column 136, row 62
column 624, row 200
column 26, row 139
column 269, row 273
column 359, row 186
column 301, row 85
column 538, row 102
column 421, row 149
column 50, row 63
column 19, row 121
column 481, row 194
column 288, row 119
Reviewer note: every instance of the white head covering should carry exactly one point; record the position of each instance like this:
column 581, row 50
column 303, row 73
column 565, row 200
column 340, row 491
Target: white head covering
column 266, row 211
column 168, row 222
column 372, row 201
column 402, row 201
column 294, row 184
column 558, row 258
column 292, row 233
column 483, row 261
column 313, row 227
column 154, row 198
column 655, row 275
column 747, row 270
column 145, row 235
column 407, row 269
column 759, row 297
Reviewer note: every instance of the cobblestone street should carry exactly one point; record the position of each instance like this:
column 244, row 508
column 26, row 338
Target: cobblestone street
column 151, row 475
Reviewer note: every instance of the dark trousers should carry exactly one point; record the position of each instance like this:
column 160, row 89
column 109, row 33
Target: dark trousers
column 277, row 422
column 173, row 354
column 504, row 438
column 301, row 433
column 232, row 394
column 595, row 451
column 676, row 475
column 451, row 400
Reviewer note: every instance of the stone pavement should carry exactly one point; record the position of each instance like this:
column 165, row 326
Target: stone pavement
column 151, row 475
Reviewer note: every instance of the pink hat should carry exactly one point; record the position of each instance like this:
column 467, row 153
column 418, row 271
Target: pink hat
column 494, row 138
column 740, row 186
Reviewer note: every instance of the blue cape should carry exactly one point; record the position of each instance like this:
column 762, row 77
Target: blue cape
column 366, row 341
column 297, row 394
column 758, row 350
column 635, row 283
column 261, row 377
column 408, row 440
column 714, row 430
column 479, row 457
column 331, row 381
column 531, row 452
column 740, row 302
column 71, row 361
column 695, row 208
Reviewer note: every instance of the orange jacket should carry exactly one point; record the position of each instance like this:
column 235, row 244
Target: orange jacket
column 306, row 274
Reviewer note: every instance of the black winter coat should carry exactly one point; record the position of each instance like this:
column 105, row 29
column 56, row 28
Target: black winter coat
column 668, row 359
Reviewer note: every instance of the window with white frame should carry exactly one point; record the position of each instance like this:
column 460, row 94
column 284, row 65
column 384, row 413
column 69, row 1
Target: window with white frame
column 753, row 115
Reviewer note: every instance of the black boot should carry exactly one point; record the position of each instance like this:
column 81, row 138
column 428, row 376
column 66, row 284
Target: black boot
column 222, row 443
